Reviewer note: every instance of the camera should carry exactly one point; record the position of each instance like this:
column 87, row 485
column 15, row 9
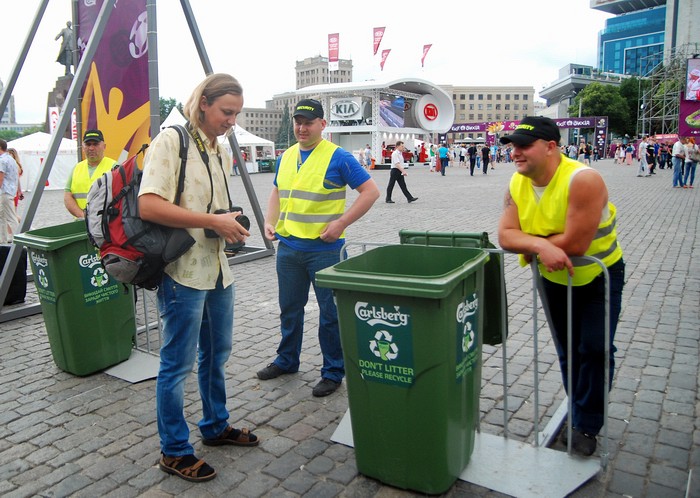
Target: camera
column 241, row 219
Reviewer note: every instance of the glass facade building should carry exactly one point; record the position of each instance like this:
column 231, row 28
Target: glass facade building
column 632, row 43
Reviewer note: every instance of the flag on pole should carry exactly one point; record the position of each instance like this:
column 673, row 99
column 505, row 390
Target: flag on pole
column 385, row 54
column 425, row 52
column 333, row 43
column 378, row 35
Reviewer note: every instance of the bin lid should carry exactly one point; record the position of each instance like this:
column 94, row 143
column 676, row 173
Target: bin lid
column 54, row 237
column 405, row 270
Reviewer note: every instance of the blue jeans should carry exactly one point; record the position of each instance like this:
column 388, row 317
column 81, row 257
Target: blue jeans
column 677, row 172
column 689, row 172
column 192, row 317
column 588, row 345
column 296, row 271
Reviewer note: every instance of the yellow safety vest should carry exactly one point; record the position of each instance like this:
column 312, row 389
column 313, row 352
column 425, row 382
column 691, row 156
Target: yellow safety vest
column 548, row 217
column 306, row 206
column 81, row 179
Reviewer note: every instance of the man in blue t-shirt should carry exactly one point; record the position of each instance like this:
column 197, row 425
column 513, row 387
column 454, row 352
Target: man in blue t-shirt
column 306, row 213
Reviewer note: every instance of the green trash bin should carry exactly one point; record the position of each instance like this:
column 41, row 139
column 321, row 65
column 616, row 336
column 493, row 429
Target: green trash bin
column 89, row 316
column 411, row 330
column 495, row 300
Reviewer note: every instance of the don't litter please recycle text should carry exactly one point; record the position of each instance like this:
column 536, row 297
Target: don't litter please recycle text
column 384, row 342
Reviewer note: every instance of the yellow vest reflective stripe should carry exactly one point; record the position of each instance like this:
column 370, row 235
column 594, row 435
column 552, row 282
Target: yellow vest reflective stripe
column 548, row 216
column 306, row 205
column 81, row 179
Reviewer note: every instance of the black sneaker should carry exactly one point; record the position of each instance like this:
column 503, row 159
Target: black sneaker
column 413, row 199
column 271, row 371
column 582, row 443
column 390, row 202
column 325, row 387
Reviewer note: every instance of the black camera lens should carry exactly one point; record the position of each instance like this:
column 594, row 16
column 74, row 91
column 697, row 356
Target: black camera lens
column 244, row 221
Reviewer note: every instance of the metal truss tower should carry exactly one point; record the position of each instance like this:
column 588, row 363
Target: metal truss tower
column 660, row 92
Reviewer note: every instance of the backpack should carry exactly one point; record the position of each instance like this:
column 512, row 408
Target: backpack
column 133, row 251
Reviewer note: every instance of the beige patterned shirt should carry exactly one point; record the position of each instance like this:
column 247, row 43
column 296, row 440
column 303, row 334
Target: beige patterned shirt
column 200, row 266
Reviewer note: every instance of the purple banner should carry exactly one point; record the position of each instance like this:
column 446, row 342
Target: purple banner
column 115, row 95
column 508, row 126
column 689, row 118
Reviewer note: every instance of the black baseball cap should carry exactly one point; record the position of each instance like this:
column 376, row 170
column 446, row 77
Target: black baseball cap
column 93, row 135
column 532, row 128
column 309, row 108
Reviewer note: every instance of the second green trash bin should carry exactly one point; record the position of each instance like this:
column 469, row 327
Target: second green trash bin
column 411, row 330
column 89, row 317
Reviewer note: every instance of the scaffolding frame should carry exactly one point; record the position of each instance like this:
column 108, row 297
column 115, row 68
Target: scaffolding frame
column 660, row 91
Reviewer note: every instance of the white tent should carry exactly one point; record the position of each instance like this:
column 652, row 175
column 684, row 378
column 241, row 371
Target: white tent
column 254, row 147
column 32, row 150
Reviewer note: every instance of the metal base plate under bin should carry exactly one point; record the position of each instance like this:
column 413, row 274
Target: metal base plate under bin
column 512, row 467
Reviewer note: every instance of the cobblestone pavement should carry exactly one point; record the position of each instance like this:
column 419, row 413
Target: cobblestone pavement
column 62, row 435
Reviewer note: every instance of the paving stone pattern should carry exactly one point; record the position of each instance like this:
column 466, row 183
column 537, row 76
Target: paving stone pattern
column 62, row 435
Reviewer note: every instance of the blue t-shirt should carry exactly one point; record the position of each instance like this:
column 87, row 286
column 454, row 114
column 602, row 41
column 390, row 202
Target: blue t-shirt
column 343, row 170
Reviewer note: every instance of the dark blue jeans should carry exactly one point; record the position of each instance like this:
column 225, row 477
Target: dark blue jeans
column 296, row 271
column 588, row 342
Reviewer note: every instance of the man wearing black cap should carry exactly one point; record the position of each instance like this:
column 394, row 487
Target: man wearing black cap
column 555, row 209
column 306, row 213
column 86, row 172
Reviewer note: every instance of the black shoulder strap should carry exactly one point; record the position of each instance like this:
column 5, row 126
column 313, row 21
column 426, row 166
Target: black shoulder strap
column 184, row 144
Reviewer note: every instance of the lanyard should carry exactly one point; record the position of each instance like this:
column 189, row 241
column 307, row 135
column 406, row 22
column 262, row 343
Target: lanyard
column 205, row 158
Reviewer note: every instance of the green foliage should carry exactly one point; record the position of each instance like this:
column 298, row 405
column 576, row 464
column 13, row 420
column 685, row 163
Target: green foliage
column 285, row 135
column 166, row 105
column 9, row 135
column 604, row 100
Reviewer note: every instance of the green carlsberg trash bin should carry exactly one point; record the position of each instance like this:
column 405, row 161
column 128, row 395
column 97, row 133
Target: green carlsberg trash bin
column 411, row 330
column 89, row 316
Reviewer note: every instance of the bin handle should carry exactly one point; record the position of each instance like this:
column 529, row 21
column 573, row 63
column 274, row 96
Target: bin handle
column 363, row 245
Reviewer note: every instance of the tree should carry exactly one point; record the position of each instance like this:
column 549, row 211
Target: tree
column 629, row 90
column 9, row 135
column 603, row 100
column 285, row 135
column 166, row 105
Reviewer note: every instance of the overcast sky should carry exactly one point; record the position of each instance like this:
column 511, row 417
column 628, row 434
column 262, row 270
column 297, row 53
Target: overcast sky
column 497, row 42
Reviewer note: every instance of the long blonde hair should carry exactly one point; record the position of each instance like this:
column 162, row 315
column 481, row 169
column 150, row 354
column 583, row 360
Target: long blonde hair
column 211, row 88
column 15, row 156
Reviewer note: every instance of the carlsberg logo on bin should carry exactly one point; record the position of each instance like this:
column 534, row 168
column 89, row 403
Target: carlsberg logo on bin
column 39, row 260
column 467, row 309
column 373, row 316
column 88, row 260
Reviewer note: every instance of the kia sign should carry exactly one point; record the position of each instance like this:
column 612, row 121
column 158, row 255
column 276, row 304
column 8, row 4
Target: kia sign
column 346, row 108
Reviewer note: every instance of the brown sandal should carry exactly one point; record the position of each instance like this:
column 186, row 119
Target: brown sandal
column 188, row 467
column 236, row 437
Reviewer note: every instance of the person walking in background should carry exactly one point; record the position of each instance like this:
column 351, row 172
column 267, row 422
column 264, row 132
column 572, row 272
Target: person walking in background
column 652, row 149
column 195, row 298
column 20, row 194
column 86, row 172
column 485, row 156
column 678, row 158
column 643, row 169
column 692, row 156
column 368, row 157
column 629, row 152
column 397, row 174
column 9, row 180
column 433, row 158
column 444, row 154
column 471, row 151
column 306, row 213
column 555, row 209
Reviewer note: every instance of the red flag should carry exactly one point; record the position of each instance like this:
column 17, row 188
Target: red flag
column 333, row 44
column 378, row 35
column 385, row 54
column 425, row 52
